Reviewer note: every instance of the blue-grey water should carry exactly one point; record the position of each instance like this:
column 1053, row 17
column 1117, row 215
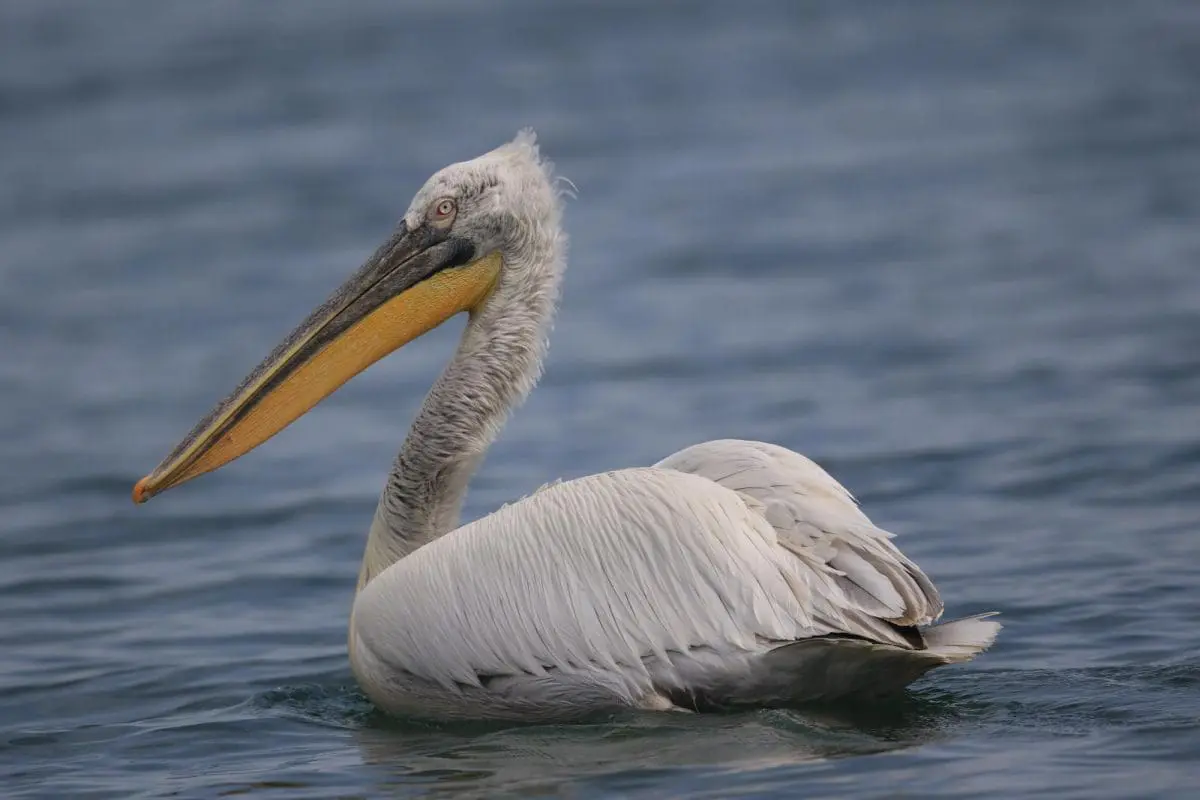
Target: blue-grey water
column 949, row 250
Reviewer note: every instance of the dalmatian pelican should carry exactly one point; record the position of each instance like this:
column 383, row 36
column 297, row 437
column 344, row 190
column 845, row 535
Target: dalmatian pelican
column 730, row 574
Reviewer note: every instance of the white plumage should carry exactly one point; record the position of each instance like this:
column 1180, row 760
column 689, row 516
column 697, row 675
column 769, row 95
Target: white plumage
column 677, row 586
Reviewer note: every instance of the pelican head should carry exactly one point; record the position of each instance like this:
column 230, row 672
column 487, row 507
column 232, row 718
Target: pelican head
column 465, row 238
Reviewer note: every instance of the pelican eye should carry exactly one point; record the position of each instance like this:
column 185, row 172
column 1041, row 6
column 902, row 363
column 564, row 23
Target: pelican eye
column 444, row 210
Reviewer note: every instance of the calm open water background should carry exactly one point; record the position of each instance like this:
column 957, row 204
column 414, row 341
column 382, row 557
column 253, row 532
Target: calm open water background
column 949, row 250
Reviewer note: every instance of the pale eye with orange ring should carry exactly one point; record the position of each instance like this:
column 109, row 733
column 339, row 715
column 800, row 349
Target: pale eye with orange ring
column 443, row 210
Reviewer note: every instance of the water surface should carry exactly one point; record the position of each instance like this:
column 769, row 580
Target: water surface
column 949, row 251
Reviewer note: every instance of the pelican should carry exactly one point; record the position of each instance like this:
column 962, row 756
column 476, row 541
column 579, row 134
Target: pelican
column 730, row 574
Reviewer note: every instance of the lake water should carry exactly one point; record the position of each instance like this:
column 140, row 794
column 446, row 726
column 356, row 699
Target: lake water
column 951, row 251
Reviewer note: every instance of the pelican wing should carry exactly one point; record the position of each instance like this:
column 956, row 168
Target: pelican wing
column 637, row 580
column 818, row 520
column 596, row 574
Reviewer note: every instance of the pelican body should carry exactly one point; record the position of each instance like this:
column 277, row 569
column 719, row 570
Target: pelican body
column 730, row 574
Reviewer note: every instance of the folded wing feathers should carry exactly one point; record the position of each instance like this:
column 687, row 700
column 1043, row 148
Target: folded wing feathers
column 608, row 572
column 818, row 521
column 600, row 573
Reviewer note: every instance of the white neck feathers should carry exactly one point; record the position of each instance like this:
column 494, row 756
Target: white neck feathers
column 497, row 363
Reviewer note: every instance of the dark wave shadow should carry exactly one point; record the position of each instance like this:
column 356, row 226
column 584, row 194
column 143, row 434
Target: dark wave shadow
column 639, row 750
column 1080, row 701
column 332, row 704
